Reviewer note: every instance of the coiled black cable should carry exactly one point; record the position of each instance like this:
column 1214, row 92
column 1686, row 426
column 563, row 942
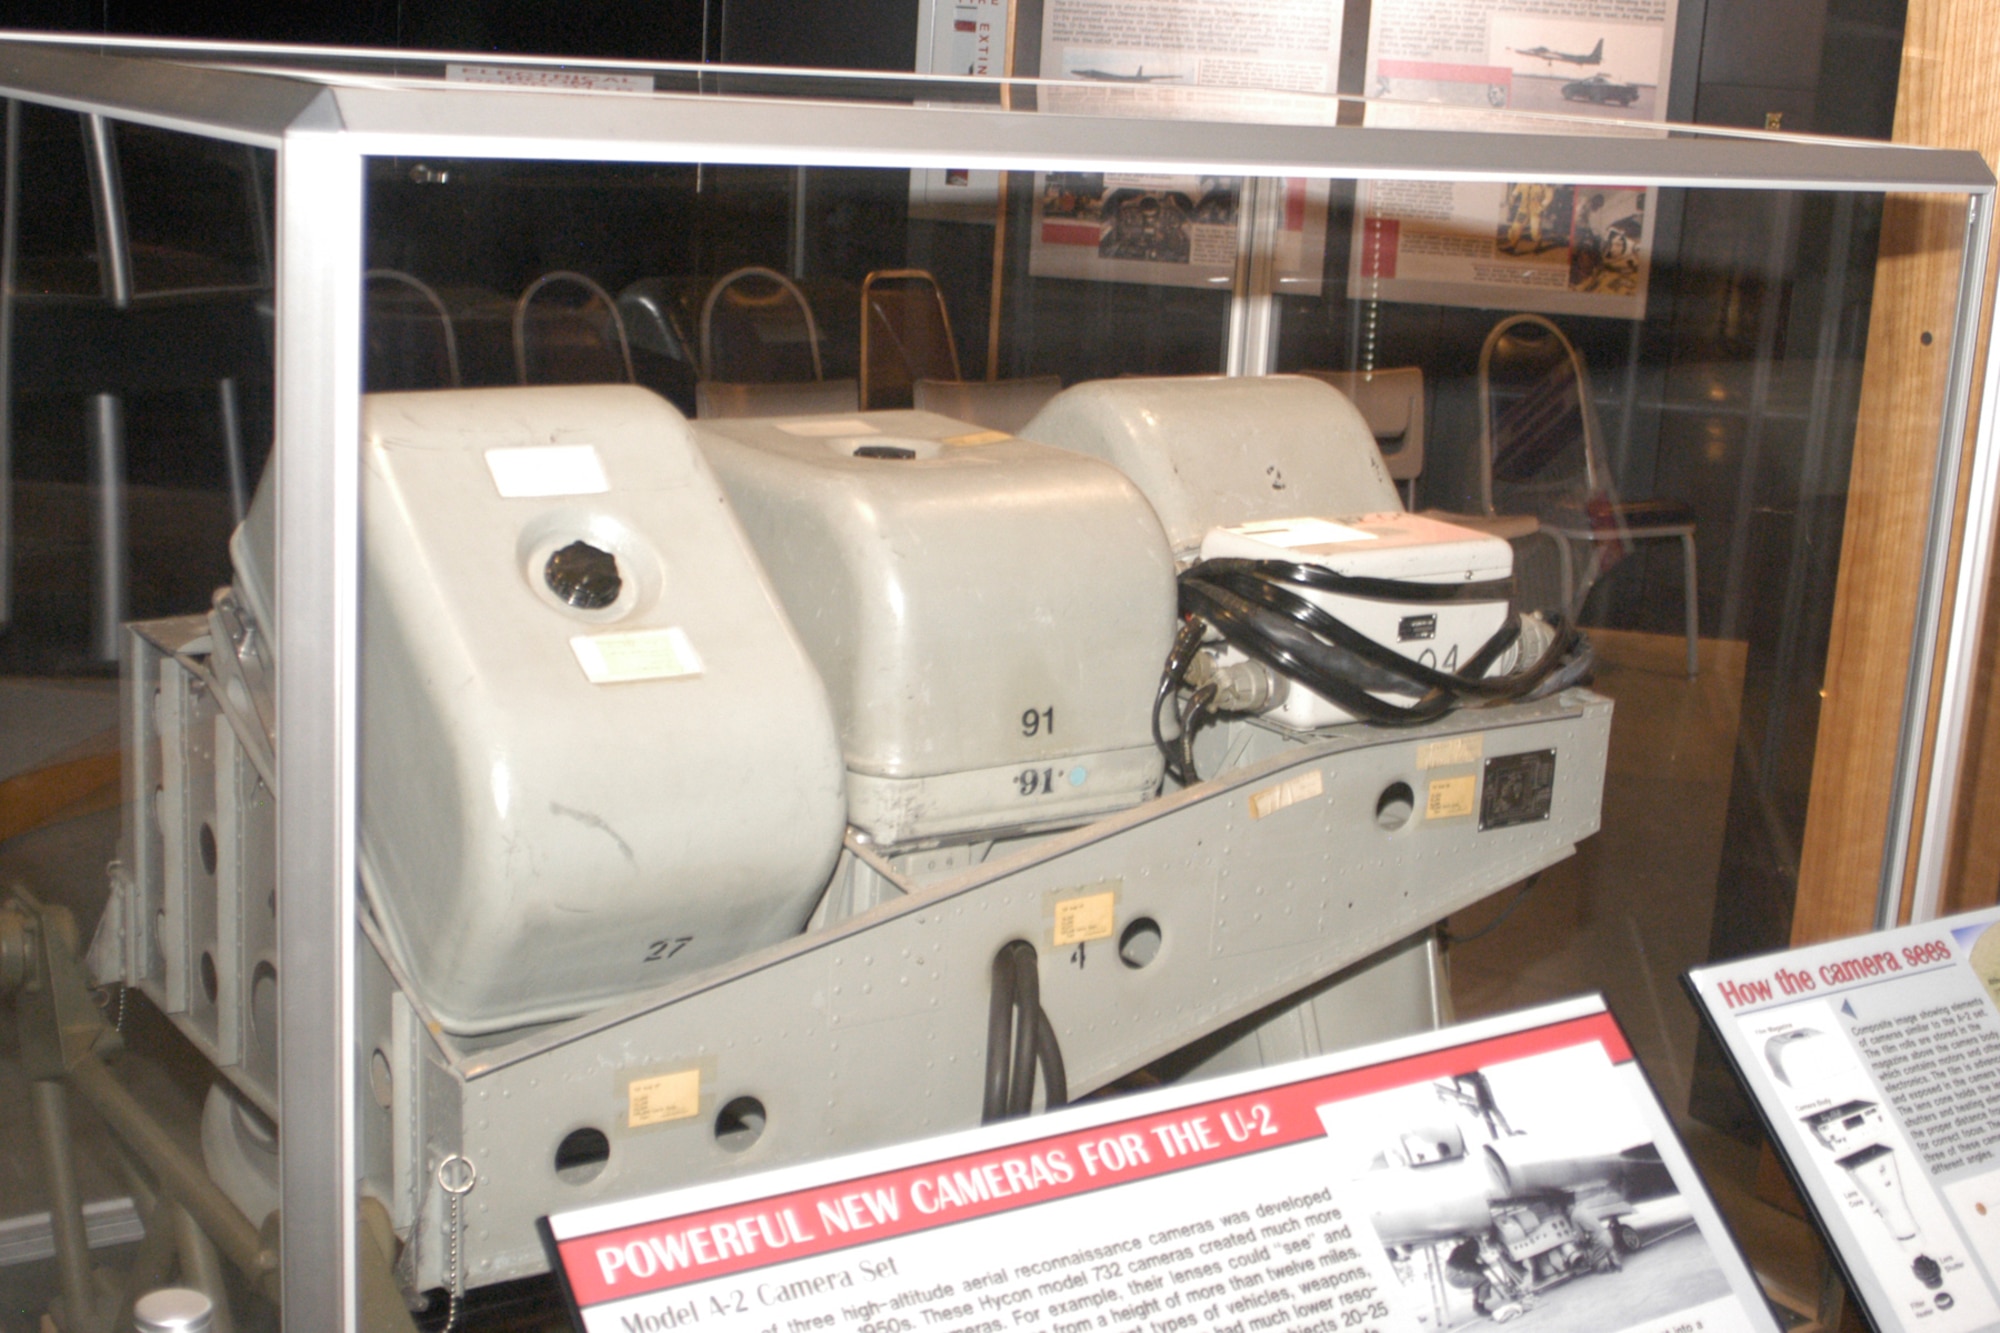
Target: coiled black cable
column 1019, row 1039
column 1252, row 605
column 1185, row 642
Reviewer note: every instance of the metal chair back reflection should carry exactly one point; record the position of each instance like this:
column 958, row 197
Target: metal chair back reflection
column 1542, row 452
column 584, row 343
column 170, row 293
column 402, row 310
column 752, row 323
column 905, row 336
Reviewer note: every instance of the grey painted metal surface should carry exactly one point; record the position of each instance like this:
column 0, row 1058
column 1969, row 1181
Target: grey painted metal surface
column 874, row 1030
column 317, row 598
column 1211, row 452
column 246, row 108
column 1927, row 829
column 1022, row 592
column 669, row 127
column 529, row 829
column 431, row 117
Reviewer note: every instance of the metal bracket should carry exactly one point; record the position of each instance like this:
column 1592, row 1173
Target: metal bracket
column 59, row 1020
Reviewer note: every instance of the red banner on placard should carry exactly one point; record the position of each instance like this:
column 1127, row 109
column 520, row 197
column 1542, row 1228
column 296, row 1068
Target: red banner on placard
column 694, row 1247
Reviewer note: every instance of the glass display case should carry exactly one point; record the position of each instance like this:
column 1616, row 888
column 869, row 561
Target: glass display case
column 617, row 625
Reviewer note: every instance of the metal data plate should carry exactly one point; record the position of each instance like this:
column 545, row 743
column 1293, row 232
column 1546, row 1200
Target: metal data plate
column 1277, row 874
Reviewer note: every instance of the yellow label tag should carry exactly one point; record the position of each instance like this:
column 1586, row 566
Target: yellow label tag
column 1300, row 787
column 1091, row 917
column 663, row 1097
column 1451, row 750
column 977, row 437
column 1450, row 797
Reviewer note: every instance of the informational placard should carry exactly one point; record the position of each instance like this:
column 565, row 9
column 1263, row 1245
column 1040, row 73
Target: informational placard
column 1281, row 46
column 968, row 38
column 1513, row 245
column 1272, row 61
column 1515, row 1166
column 1170, row 231
column 1875, row 1063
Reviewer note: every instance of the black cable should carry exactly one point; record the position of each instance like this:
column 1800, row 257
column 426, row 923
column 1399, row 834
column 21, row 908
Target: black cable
column 1048, row 1053
column 1020, row 1039
column 1262, row 583
column 1027, row 1003
column 1498, row 917
column 1252, row 605
column 1186, row 641
column 999, row 1032
column 1200, row 709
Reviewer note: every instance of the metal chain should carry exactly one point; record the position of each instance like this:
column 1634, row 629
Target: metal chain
column 456, row 1177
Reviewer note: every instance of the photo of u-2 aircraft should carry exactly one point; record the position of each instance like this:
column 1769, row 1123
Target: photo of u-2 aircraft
column 1138, row 76
column 1549, row 56
column 1493, row 1208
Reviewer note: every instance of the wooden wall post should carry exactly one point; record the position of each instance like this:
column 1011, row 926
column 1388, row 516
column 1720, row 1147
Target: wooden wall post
column 1949, row 96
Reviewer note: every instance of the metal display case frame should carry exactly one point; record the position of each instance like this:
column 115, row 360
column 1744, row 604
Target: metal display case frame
column 326, row 113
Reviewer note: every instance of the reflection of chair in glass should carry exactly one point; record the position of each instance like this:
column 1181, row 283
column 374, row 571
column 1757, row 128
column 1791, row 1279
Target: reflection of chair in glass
column 570, row 344
column 1392, row 402
column 753, row 323
column 410, row 341
column 660, row 318
column 653, row 319
column 1541, row 452
column 905, row 336
column 138, row 264
column 995, row 404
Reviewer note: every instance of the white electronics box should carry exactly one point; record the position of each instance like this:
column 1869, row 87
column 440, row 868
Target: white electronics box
column 1395, row 545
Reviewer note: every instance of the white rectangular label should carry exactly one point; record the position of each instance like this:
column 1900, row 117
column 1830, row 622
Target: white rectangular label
column 640, row 654
column 826, row 428
column 560, row 80
column 1295, row 532
column 546, row 469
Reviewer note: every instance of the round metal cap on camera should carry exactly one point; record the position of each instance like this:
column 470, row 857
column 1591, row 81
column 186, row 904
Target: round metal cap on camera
column 584, row 576
column 173, row 1310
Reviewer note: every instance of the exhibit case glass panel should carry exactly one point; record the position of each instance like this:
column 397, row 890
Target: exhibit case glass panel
column 617, row 626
